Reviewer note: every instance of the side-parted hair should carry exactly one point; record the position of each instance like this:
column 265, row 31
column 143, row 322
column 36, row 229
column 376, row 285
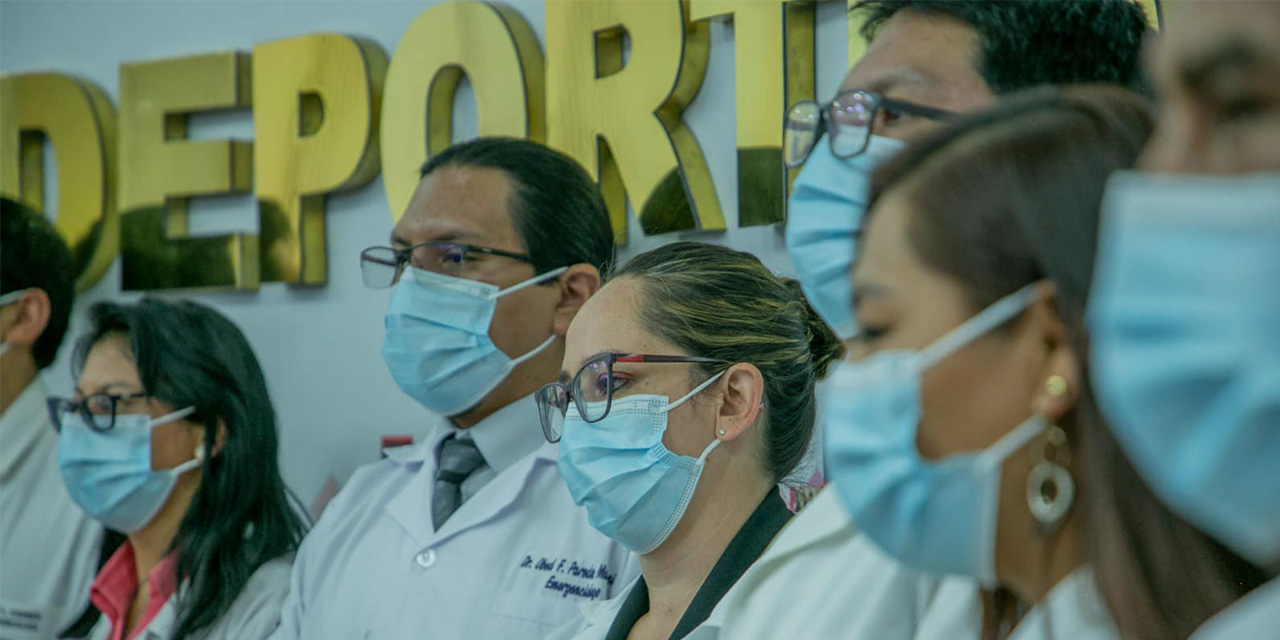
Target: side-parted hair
column 189, row 355
column 715, row 302
column 1029, row 43
column 1009, row 197
column 556, row 209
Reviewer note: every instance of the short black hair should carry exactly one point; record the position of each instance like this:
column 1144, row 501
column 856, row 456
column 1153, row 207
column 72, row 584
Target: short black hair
column 34, row 256
column 558, row 210
column 1028, row 43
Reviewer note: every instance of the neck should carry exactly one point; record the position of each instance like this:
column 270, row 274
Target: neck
column 523, row 381
column 16, row 374
column 676, row 570
column 1032, row 567
column 152, row 542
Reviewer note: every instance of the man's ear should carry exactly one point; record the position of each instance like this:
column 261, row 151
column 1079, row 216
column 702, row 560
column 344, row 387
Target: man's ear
column 742, row 398
column 577, row 284
column 27, row 317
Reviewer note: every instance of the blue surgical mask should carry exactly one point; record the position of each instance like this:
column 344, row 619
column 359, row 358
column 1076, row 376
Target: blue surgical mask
column 437, row 342
column 635, row 490
column 823, row 214
column 108, row 473
column 937, row 516
column 1184, row 323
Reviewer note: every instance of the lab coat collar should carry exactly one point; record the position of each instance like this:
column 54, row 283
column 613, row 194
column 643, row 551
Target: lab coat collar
column 1073, row 609
column 823, row 517
column 411, row 506
column 24, row 424
column 600, row 613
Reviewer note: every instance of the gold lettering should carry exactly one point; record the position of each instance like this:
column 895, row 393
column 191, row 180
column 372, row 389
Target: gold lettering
column 316, row 100
column 160, row 170
column 622, row 121
column 494, row 47
column 78, row 120
column 773, row 56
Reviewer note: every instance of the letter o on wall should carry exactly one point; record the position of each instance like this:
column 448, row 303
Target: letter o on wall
column 497, row 51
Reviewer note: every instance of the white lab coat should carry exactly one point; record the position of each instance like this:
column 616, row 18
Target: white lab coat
column 253, row 615
column 824, row 580
column 1073, row 609
column 513, row 562
column 1256, row 615
column 49, row 548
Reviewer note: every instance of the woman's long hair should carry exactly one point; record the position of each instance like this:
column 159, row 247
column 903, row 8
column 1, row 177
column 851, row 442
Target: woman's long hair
column 188, row 355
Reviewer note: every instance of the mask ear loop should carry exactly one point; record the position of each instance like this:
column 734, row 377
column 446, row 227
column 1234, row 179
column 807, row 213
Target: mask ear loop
column 538, row 279
column 715, row 442
column 987, row 320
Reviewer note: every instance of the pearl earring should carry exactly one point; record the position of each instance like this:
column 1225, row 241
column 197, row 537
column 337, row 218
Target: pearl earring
column 721, row 432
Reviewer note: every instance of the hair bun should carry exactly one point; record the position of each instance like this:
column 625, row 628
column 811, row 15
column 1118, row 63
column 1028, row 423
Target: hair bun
column 824, row 346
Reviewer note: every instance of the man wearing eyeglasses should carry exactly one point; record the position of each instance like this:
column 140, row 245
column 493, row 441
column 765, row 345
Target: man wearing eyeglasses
column 49, row 549
column 926, row 62
column 472, row 533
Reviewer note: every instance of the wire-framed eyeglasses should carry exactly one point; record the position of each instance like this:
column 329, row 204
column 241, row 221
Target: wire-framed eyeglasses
column 848, row 120
column 591, row 389
column 380, row 267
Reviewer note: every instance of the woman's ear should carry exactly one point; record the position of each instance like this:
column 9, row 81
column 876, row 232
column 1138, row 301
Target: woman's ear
column 742, row 396
column 1060, row 382
column 577, row 284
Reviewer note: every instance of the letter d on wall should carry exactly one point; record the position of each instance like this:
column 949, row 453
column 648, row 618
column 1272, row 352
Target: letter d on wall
column 79, row 122
column 497, row 51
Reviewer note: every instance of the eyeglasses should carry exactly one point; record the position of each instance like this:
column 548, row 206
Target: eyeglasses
column 98, row 410
column 380, row 267
column 592, row 389
column 847, row 120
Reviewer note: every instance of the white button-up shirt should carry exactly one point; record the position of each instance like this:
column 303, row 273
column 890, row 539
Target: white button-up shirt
column 515, row 560
column 49, row 548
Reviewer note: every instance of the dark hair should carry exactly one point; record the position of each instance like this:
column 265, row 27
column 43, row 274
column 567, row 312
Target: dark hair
column 189, row 355
column 1028, row 43
column 1010, row 197
column 34, row 256
column 715, row 302
column 557, row 208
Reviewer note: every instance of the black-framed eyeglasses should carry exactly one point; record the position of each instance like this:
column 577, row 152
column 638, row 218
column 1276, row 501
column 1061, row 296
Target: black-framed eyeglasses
column 848, row 120
column 380, row 267
column 591, row 389
column 97, row 410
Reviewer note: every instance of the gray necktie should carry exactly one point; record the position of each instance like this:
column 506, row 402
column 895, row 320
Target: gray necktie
column 458, row 460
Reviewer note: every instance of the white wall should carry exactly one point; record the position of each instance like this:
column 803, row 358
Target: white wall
column 321, row 347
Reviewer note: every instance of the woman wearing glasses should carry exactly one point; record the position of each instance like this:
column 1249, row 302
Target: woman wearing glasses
column 171, row 439
column 686, row 397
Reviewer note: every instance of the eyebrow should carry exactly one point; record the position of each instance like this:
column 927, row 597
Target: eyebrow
column 1233, row 55
column 891, row 79
column 111, row 385
column 448, row 237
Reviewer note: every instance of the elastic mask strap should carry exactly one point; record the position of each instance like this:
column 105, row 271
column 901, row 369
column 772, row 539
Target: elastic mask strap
column 986, row 321
column 186, row 466
column 706, row 452
column 515, row 362
column 696, row 390
column 1014, row 440
column 170, row 417
column 538, row 279
column 11, row 297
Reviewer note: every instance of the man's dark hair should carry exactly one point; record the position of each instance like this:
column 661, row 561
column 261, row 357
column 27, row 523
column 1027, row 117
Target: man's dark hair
column 34, row 256
column 1028, row 43
column 557, row 208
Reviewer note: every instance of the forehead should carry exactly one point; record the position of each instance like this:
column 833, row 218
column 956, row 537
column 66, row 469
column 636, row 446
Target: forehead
column 109, row 362
column 467, row 204
column 610, row 322
column 926, row 55
column 1205, row 37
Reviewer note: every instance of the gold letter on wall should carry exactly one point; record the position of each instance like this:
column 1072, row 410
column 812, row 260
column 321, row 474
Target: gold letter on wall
column 315, row 117
column 622, row 122
column 497, row 51
column 79, row 122
column 159, row 171
column 773, row 59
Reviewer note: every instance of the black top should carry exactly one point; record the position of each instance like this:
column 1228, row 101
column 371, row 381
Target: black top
column 751, row 540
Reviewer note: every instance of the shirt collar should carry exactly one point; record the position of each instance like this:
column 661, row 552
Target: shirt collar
column 24, row 423
column 113, row 590
column 504, row 438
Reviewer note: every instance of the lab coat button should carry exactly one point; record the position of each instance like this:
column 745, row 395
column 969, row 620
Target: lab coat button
column 425, row 558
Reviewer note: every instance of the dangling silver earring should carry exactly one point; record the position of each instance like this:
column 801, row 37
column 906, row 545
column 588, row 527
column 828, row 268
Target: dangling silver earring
column 1051, row 491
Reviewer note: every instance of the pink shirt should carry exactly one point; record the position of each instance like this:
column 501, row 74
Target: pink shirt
column 117, row 584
